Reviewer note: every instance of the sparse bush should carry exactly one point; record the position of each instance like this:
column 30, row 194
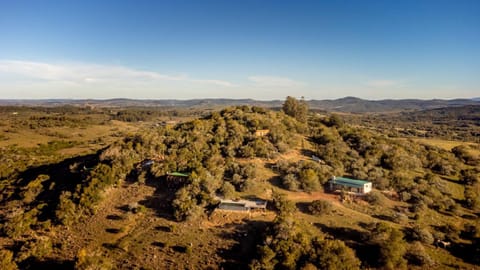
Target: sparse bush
column 6, row 260
column 391, row 246
column 417, row 255
column 185, row 206
column 290, row 182
column 399, row 218
column 471, row 230
column 470, row 176
column 92, row 261
column 405, row 196
column 472, row 196
column 34, row 187
column 142, row 177
column 451, row 231
column 227, row 190
column 309, row 180
column 140, row 209
column 375, row 197
column 282, row 204
column 320, row 207
column 463, row 153
column 36, row 248
column 132, row 207
column 20, row 223
column 334, row 254
column 66, row 210
column 423, row 235
column 419, row 207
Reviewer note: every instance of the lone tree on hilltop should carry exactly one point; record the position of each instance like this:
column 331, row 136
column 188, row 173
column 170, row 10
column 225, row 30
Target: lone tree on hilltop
column 295, row 108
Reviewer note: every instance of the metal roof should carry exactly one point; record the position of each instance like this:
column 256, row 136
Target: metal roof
column 349, row 182
column 178, row 174
column 245, row 203
column 233, row 206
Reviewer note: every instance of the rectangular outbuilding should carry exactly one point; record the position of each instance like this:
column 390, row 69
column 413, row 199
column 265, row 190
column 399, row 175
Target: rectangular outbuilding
column 242, row 205
column 358, row 187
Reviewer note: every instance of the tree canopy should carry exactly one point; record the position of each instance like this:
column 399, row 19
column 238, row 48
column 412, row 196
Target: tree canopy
column 295, row 108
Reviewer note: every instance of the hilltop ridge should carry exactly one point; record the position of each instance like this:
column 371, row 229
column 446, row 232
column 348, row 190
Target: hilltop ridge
column 346, row 104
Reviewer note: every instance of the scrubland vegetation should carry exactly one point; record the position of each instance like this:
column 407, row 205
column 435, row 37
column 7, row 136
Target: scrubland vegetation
column 94, row 190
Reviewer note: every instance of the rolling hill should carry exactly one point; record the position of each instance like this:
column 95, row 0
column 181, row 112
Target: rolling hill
column 346, row 104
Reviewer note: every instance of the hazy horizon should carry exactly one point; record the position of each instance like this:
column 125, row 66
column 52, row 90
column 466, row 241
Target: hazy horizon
column 263, row 50
column 232, row 99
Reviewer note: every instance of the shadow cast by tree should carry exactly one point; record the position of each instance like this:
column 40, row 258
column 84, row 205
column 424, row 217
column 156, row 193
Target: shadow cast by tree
column 246, row 236
column 51, row 264
column 356, row 240
column 55, row 179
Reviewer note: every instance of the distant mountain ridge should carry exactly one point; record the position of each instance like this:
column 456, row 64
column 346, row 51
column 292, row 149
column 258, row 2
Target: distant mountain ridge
column 346, row 104
column 353, row 104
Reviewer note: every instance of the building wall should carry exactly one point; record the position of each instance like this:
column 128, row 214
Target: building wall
column 367, row 188
column 232, row 207
column 360, row 190
column 261, row 132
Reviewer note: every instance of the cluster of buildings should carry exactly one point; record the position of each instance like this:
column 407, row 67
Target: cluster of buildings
column 337, row 184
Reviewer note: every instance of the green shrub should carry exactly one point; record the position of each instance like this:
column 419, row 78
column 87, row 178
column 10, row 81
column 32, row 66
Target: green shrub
column 282, row 204
column 295, row 108
column 36, row 248
column 320, row 207
column 288, row 246
column 334, row 254
column 399, row 218
column 185, row 206
column 463, row 153
column 66, row 212
column 92, row 261
column 375, row 197
column 34, row 188
column 309, row 180
column 417, row 255
column 290, row 182
column 472, row 196
column 390, row 244
column 423, row 235
column 141, row 209
column 6, row 260
column 20, row 223
column 227, row 190
column 405, row 196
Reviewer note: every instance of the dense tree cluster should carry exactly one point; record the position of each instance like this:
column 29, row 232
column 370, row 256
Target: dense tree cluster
column 286, row 245
column 304, row 175
column 391, row 246
column 207, row 149
column 388, row 163
column 471, row 180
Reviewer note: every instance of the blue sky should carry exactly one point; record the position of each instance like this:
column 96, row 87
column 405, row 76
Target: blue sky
column 239, row 49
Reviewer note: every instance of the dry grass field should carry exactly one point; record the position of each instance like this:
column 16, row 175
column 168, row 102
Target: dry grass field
column 446, row 144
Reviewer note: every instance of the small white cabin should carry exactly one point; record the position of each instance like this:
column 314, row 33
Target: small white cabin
column 358, row 187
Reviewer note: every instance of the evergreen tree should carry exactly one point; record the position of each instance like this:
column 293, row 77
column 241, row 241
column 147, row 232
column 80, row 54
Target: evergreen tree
column 296, row 109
